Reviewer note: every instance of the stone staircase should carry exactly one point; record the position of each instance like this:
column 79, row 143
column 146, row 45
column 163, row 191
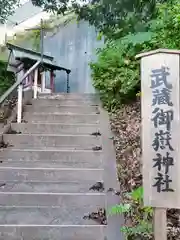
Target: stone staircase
column 59, row 151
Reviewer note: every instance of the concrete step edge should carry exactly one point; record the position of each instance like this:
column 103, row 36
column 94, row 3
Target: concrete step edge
column 37, row 104
column 50, row 150
column 61, row 114
column 65, row 103
column 58, row 226
column 67, row 95
column 52, row 135
column 62, row 105
column 53, row 169
column 51, row 194
column 58, row 124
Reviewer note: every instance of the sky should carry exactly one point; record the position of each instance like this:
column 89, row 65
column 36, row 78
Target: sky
column 23, row 1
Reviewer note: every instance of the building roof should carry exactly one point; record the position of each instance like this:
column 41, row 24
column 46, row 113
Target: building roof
column 29, row 58
column 50, row 66
column 19, row 50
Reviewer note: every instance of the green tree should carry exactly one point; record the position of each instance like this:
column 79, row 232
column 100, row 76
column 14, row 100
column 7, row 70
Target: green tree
column 114, row 18
column 55, row 6
column 7, row 8
column 115, row 74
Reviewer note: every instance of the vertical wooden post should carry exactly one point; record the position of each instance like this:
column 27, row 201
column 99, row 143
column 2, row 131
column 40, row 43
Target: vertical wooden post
column 68, row 88
column 26, row 80
column 43, row 81
column 35, row 83
column 19, row 106
column 52, row 81
column 20, row 95
column 160, row 224
column 31, row 79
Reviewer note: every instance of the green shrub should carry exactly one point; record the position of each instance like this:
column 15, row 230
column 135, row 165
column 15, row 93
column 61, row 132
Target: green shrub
column 6, row 78
column 116, row 73
column 140, row 226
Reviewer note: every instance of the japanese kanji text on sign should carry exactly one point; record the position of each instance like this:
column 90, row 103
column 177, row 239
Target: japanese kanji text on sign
column 161, row 129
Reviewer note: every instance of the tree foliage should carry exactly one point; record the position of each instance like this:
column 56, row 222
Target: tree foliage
column 143, row 223
column 55, row 6
column 7, row 8
column 115, row 18
column 116, row 72
column 116, row 77
column 6, row 78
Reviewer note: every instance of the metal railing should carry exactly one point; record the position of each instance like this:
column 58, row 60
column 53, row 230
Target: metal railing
column 14, row 95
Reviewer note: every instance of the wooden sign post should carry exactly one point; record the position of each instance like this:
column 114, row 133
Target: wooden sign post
column 160, row 109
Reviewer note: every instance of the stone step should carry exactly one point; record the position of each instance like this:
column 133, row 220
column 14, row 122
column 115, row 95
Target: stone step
column 65, row 102
column 52, row 232
column 69, row 96
column 81, row 142
column 48, row 209
column 47, row 187
column 62, row 109
column 94, row 164
column 55, row 128
column 51, row 175
column 41, row 158
column 61, row 118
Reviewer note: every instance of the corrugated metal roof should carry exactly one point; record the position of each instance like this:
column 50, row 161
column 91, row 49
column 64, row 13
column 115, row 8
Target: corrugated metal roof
column 20, row 52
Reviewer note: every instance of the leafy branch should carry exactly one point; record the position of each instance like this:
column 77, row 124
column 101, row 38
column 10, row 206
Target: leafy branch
column 141, row 216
